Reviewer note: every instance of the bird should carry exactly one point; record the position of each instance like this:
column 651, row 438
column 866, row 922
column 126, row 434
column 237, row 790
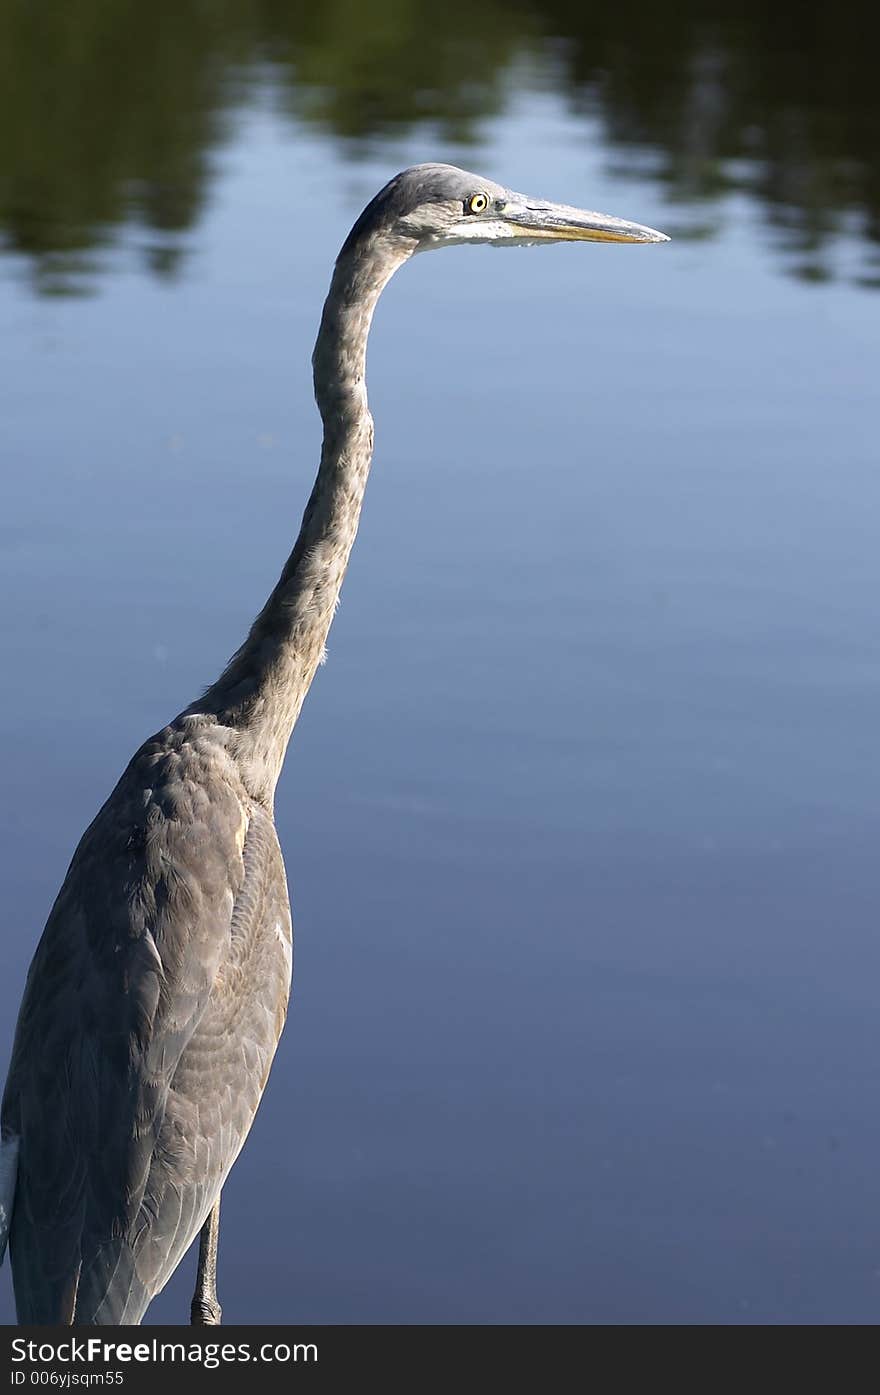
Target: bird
column 159, row 989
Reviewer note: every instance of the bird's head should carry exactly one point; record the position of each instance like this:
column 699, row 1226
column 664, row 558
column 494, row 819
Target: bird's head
column 430, row 206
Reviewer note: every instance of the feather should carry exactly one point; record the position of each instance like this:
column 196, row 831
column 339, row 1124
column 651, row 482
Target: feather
column 8, row 1172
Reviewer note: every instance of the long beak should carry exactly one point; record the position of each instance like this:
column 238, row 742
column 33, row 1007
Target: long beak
column 559, row 223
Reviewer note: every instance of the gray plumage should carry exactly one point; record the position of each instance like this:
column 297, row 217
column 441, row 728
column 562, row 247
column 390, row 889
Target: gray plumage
column 159, row 989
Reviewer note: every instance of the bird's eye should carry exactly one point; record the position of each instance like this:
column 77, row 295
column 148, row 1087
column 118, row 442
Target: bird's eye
column 478, row 203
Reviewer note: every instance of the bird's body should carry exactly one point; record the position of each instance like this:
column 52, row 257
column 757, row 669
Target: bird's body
column 172, row 937
column 159, row 989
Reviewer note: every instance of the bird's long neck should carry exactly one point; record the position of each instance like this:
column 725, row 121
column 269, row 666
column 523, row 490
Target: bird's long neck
column 261, row 691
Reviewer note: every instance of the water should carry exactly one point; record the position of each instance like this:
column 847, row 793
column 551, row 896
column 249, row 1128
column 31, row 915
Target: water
column 580, row 818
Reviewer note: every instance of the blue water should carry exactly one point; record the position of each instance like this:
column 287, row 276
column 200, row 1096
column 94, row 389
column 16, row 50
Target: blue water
column 581, row 816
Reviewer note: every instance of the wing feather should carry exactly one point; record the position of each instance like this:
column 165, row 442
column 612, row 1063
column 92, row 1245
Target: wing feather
column 140, row 1019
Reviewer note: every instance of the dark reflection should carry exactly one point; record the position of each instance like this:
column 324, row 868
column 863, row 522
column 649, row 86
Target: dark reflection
column 109, row 111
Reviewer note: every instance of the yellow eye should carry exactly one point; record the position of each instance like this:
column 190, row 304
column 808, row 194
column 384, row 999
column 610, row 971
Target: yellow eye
column 478, row 203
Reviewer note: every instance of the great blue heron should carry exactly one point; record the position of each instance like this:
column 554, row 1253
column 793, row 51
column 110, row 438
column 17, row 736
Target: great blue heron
column 159, row 989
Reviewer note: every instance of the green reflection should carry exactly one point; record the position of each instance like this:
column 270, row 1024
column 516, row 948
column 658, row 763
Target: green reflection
column 110, row 110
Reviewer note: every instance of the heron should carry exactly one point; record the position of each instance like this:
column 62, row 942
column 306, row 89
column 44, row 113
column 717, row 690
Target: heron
column 159, row 989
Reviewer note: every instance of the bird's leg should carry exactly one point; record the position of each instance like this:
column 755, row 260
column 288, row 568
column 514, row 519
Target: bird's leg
column 205, row 1311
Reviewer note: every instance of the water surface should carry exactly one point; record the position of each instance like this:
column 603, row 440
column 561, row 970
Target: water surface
column 581, row 815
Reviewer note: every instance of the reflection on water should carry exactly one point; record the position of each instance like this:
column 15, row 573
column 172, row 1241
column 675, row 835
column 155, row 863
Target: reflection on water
column 110, row 113
column 581, row 818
